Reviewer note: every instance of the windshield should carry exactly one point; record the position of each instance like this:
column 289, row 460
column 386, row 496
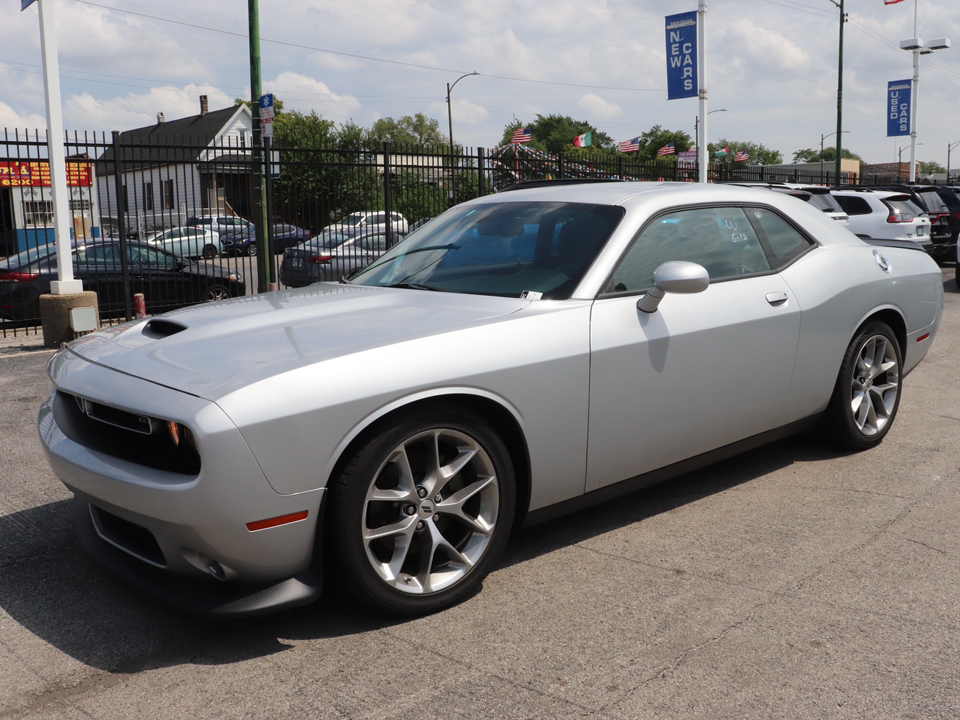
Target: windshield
column 505, row 249
column 904, row 206
column 825, row 201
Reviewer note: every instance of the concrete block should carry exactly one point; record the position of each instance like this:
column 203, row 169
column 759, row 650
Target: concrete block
column 55, row 315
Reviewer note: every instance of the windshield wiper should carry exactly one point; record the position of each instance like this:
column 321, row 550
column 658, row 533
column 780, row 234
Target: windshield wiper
column 415, row 286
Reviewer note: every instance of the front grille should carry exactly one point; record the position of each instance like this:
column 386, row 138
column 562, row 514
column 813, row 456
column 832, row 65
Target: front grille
column 127, row 536
column 124, row 435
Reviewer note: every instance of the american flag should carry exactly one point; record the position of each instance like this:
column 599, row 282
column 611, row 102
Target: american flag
column 521, row 135
column 667, row 149
column 741, row 156
column 632, row 145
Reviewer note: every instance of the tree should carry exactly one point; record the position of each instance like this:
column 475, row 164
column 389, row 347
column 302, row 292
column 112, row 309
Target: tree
column 759, row 155
column 829, row 154
column 657, row 137
column 408, row 130
column 929, row 168
column 556, row 133
column 277, row 106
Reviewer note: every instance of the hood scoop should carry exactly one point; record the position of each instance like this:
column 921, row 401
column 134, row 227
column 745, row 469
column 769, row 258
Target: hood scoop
column 159, row 328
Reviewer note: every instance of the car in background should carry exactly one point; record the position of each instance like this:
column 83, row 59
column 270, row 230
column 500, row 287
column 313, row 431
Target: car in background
column 944, row 227
column 419, row 223
column 329, row 259
column 525, row 355
column 817, row 195
column 187, row 241
column 166, row 281
column 221, row 224
column 245, row 242
column 884, row 214
column 369, row 222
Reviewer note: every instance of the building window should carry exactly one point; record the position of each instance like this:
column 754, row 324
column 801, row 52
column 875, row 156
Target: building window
column 80, row 206
column 168, row 194
column 148, row 196
column 38, row 212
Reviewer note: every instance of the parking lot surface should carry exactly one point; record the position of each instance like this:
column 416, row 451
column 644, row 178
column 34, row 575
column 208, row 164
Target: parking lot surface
column 790, row 582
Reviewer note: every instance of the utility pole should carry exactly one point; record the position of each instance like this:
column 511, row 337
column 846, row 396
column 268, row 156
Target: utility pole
column 260, row 209
column 843, row 19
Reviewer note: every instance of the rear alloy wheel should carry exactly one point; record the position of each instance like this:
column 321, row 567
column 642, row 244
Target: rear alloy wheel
column 215, row 292
column 252, row 249
column 867, row 394
column 209, row 252
column 422, row 512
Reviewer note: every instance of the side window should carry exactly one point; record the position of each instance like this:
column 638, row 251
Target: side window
column 853, row 205
column 720, row 238
column 785, row 240
column 379, row 219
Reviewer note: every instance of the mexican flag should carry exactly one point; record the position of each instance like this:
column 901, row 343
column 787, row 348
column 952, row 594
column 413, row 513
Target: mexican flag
column 585, row 140
column 721, row 153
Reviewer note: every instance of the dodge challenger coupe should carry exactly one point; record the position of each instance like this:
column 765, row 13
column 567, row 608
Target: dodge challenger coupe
column 523, row 355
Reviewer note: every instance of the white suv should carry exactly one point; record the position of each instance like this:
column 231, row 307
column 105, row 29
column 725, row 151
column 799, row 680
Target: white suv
column 884, row 214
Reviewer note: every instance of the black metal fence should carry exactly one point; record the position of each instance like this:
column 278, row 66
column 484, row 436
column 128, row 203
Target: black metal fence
column 174, row 220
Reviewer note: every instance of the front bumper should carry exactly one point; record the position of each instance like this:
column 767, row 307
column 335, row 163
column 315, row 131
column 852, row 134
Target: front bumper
column 199, row 553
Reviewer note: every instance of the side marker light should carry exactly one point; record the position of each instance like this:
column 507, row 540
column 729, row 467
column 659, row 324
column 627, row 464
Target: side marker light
column 276, row 521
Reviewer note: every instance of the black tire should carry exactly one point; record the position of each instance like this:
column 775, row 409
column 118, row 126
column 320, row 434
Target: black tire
column 215, row 292
column 252, row 249
column 867, row 394
column 435, row 546
column 209, row 252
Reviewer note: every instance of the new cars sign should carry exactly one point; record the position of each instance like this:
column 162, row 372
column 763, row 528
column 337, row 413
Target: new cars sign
column 898, row 107
column 682, row 56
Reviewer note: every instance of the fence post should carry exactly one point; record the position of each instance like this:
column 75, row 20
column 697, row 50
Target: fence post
column 620, row 167
column 121, row 223
column 387, row 192
column 481, row 180
column 560, row 164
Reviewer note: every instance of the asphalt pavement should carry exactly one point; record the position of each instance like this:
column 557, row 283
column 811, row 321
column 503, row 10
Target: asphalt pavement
column 790, row 582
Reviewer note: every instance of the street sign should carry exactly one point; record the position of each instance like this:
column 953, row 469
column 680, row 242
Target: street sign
column 266, row 107
column 266, row 127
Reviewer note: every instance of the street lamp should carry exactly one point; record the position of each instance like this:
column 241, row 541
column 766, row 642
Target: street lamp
column 449, row 112
column 696, row 126
column 950, row 147
column 822, row 138
column 919, row 48
column 900, row 163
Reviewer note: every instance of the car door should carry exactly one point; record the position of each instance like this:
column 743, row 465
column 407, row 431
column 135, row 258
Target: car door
column 159, row 276
column 703, row 370
column 101, row 271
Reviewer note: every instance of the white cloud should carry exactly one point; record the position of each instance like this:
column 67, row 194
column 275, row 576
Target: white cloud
column 598, row 108
column 304, row 94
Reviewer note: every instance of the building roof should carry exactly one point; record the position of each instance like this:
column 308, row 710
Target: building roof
column 169, row 142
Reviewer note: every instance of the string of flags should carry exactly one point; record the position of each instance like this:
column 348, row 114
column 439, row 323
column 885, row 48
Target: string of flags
column 524, row 135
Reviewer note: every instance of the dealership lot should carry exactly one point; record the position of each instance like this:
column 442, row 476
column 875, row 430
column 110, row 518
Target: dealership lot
column 793, row 581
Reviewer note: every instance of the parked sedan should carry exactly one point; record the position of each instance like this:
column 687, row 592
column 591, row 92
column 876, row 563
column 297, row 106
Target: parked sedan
column 244, row 242
column 524, row 355
column 165, row 280
column 329, row 258
column 187, row 241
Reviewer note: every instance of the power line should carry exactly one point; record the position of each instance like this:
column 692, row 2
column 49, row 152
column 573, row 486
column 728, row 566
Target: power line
column 365, row 57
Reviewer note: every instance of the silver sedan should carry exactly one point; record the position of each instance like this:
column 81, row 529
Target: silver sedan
column 523, row 355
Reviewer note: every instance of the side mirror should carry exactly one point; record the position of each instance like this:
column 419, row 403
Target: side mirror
column 676, row 276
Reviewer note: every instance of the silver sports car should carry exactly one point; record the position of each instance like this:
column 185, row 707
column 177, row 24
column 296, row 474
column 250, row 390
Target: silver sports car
column 525, row 354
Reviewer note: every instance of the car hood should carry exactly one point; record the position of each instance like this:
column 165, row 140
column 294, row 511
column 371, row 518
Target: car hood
column 212, row 349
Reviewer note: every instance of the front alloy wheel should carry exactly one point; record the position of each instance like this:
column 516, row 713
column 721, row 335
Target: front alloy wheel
column 423, row 512
column 867, row 394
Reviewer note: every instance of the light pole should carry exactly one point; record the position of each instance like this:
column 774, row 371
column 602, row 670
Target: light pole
column 822, row 138
column 900, row 162
column 449, row 111
column 696, row 127
column 950, row 147
column 918, row 47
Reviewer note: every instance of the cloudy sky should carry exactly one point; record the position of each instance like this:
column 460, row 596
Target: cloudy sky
column 772, row 65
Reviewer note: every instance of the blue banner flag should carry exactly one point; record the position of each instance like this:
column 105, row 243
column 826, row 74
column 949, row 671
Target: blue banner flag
column 24, row 4
column 682, row 56
column 898, row 107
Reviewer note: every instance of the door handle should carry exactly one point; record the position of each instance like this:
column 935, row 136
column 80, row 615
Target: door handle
column 777, row 298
